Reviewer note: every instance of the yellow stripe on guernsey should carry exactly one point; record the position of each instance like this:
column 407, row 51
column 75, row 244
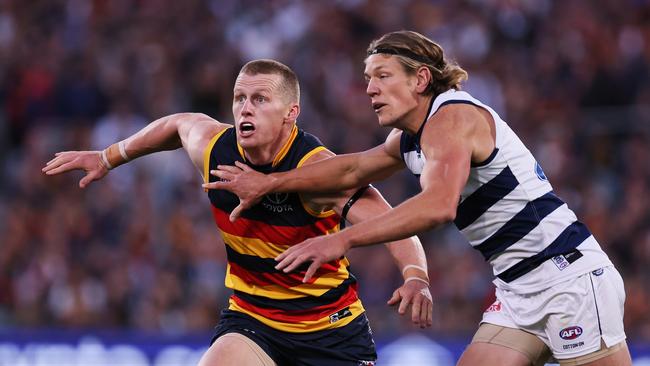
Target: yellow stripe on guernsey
column 304, row 204
column 283, row 151
column 320, row 286
column 206, row 155
column 263, row 249
column 253, row 246
column 305, row 326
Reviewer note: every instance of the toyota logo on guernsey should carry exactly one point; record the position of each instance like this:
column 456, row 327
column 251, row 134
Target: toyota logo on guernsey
column 571, row 332
column 277, row 198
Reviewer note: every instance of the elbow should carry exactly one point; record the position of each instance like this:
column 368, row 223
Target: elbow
column 441, row 216
column 442, row 211
column 447, row 216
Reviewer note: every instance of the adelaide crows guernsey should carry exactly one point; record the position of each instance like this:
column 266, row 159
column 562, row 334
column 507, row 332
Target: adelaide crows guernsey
column 277, row 299
column 509, row 212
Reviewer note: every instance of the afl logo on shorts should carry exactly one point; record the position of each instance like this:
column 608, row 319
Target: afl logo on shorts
column 571, row 332
column 540, row 172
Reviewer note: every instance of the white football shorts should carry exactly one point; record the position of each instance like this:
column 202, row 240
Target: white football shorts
column 571, row 317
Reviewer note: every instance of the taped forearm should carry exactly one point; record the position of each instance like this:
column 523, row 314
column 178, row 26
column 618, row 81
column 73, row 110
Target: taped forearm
column 161, row 134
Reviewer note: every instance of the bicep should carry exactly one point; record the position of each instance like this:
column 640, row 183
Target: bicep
column 370, row 204
column 447, row 147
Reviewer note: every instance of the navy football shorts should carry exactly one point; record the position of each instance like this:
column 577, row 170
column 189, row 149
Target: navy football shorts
column 350, row 345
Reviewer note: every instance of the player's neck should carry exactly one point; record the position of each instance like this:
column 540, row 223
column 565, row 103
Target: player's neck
column 266, row 154
column 413, row 121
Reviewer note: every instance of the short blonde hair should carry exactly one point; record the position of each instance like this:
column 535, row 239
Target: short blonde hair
column 290, row 86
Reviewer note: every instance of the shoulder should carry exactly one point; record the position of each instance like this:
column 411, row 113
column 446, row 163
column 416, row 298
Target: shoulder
column 393, row 143
column 317, row 154
column 454, row 118
column 307, row 139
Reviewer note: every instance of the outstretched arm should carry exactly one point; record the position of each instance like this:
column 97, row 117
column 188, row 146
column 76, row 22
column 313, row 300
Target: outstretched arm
column 191, row 131
column 335, row 174
column 408, row 253
column 448, row 144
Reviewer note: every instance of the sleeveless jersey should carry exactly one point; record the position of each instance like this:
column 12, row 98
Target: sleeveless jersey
column 509, row 213
column 277, row 299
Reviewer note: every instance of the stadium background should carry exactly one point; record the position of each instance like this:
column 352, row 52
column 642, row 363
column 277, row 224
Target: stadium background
column 136, row 259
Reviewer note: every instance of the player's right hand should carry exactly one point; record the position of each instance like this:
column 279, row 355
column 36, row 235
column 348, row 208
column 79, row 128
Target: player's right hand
column 88, row 161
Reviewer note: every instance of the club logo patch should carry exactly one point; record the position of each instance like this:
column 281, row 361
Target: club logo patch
column 539, row 172
column 561, row 262
column 598, row 272
column 343, row 313
column 571, row 332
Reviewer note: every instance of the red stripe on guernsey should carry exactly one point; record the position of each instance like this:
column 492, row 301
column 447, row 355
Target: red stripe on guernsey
column 301, row 315
column 286, row 280
column 280, row 235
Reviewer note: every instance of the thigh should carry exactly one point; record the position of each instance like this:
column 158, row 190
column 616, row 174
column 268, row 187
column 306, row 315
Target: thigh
column 488, row 354
column 498, row 345
column 234, row 349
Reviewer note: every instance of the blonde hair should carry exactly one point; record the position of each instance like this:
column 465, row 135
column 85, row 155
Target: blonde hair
column 290, row 86
column 413, row 51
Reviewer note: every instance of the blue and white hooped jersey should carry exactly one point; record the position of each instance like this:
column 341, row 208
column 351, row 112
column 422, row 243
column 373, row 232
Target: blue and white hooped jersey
column 509, row 213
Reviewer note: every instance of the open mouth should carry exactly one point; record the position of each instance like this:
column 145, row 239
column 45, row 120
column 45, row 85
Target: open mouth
column 377, row 106
column 246, row 128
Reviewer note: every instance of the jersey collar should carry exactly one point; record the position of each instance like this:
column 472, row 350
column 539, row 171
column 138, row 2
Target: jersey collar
column 283, row 151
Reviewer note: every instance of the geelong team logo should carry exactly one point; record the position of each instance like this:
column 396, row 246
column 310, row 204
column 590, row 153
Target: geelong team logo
column 540, row 172
column 571, row 332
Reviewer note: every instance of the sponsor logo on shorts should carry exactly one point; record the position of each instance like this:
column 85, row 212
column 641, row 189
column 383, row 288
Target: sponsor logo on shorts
column 496, row 306
column 573, row 345
column 343, row 313
column 598, row 272
column 366, row 363
column 571, row 332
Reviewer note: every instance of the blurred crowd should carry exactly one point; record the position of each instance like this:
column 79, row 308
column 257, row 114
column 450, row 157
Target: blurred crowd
column 139, row 249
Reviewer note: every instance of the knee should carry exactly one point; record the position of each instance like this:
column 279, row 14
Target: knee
column 233, row 349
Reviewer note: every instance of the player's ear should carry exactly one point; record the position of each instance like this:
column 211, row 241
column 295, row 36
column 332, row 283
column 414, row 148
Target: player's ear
column 293, row 113
column 423, row 75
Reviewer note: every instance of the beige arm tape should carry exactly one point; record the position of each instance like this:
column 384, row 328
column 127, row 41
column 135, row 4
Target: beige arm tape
column 115, row 155
column 413, row 271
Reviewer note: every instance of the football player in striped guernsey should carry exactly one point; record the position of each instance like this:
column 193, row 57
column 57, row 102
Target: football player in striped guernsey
column 558, row 294
column 273, row 318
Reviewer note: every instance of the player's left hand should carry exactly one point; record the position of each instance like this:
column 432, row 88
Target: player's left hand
column 318, row 250
column 417, row 295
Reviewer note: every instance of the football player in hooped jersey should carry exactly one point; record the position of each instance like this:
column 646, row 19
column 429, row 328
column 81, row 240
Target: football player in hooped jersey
column 558, row 294
column 273, row 317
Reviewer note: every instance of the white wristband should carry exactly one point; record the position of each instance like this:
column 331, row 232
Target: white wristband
column 416, row 279
column 105, row 160
column 122, row 149
column 424, row 270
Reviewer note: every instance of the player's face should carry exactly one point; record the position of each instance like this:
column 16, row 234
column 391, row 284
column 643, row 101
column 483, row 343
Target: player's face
column 259, row 109
column 391, row 89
